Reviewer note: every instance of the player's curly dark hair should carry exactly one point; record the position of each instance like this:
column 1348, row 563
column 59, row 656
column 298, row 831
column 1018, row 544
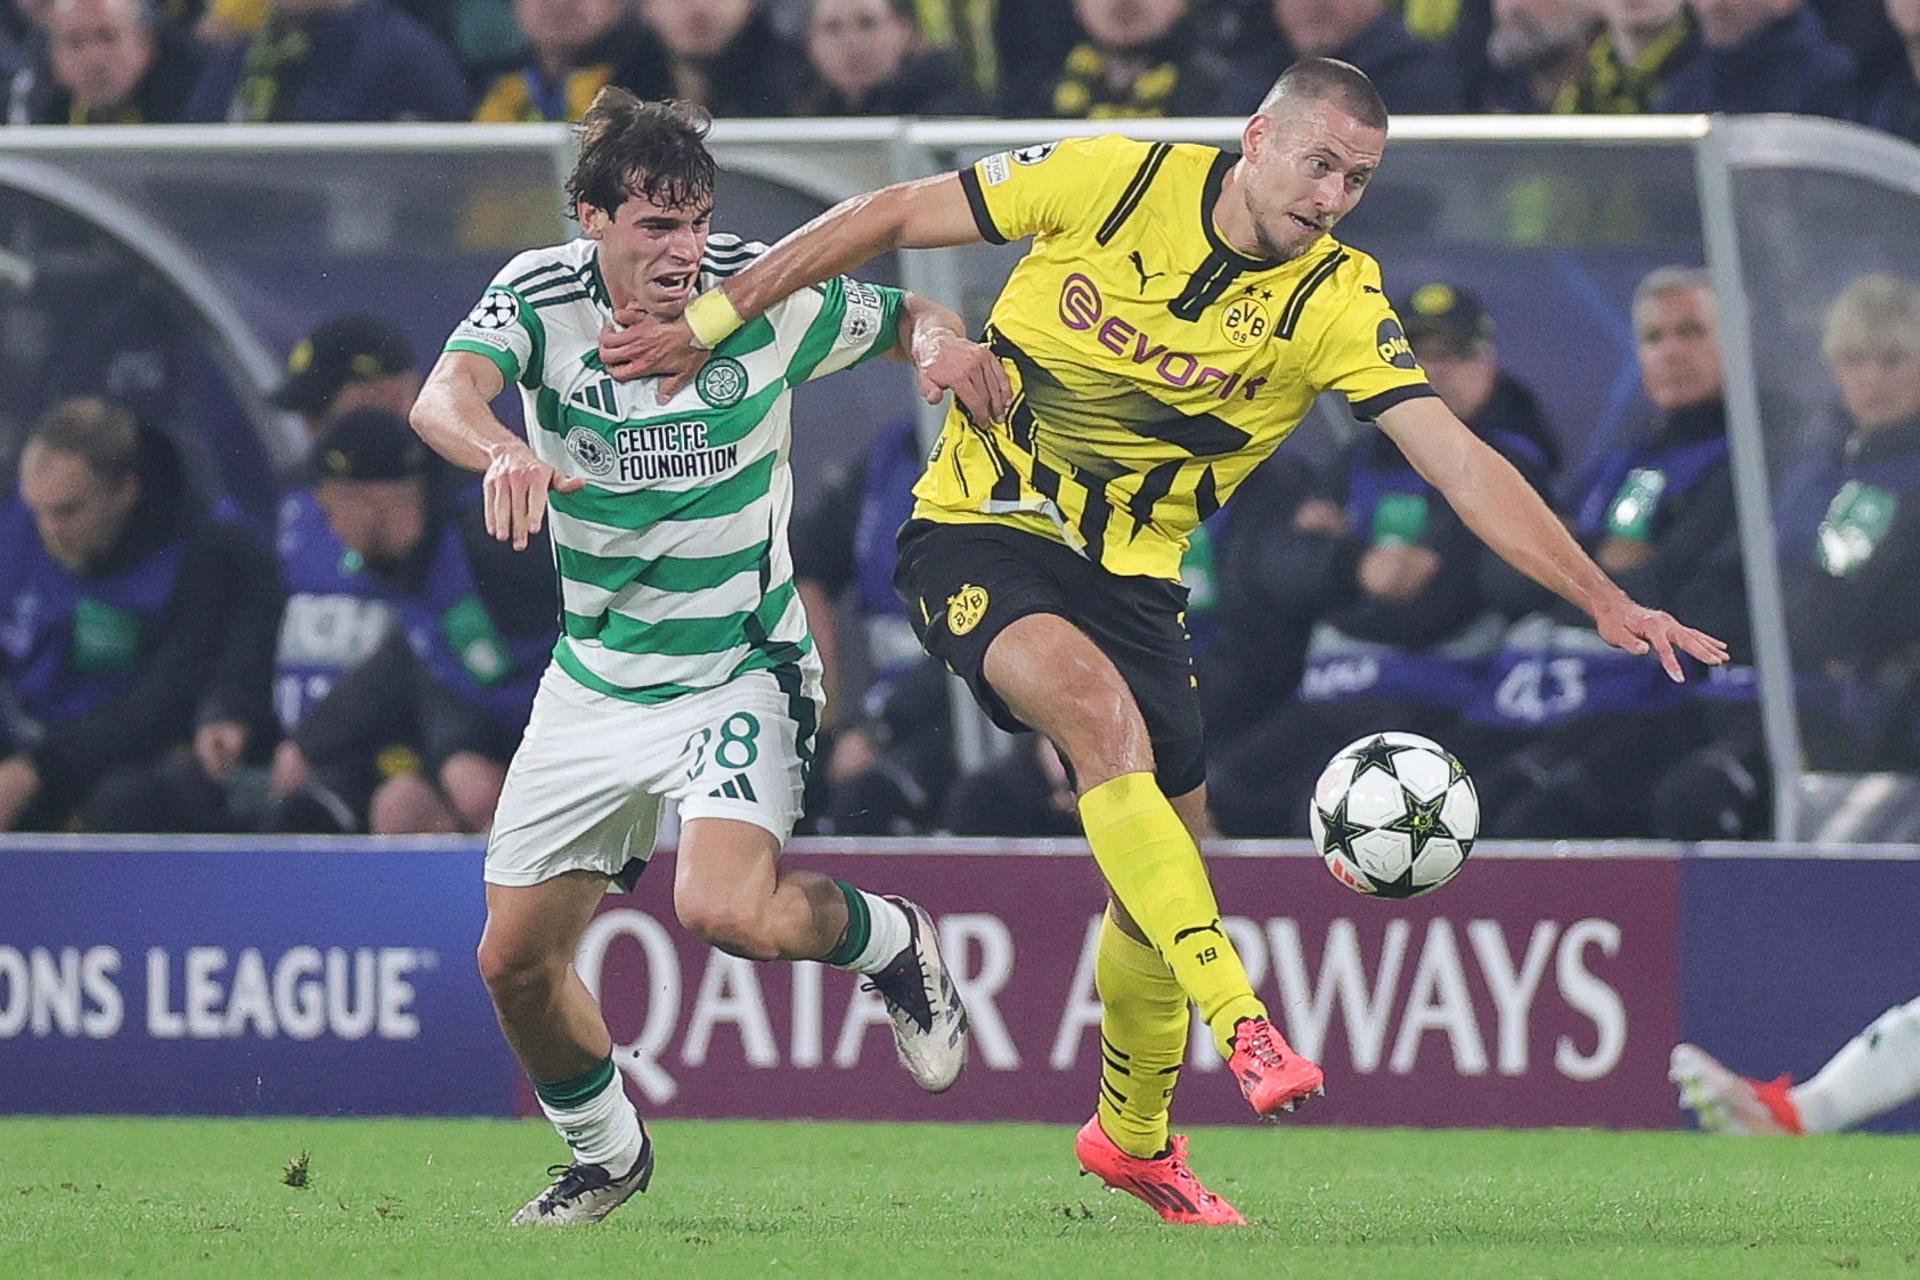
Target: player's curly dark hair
column 656, row 150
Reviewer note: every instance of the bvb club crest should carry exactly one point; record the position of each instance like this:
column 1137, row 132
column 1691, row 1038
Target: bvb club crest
column 965, row 608
column 1245, row 322
column 722, row 382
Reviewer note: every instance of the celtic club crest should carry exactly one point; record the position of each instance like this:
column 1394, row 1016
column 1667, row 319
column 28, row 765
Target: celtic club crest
column 722, row 382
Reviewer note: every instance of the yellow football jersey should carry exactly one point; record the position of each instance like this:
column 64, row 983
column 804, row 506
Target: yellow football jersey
column 1153, row 365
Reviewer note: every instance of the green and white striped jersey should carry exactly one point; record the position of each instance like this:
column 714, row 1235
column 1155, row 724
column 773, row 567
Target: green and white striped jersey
column 673, row 560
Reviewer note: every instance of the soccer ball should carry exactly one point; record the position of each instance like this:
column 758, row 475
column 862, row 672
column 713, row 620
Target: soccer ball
column 1394, row 815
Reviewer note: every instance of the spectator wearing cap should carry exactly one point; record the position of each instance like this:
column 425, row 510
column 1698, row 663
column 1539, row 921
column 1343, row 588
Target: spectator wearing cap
column 1387, row 578
column 1626, row 67
column 421, row 732
column 726, row 56
column 107, row 62
column 1890, row 94
column 1140, row 58
column 135, row 622
column 332, row 61
column 575, row 48
column 867, row 58
column 1451, row 334
column 1763, row 55
column 336, row 616
column 1536, row 52
column 350, row 362
column 1414, row 76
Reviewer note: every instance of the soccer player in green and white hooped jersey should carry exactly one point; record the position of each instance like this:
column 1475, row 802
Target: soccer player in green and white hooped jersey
column 684, row 670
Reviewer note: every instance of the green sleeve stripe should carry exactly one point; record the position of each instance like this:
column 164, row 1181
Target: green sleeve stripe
column 503, row 360
column 530, row 377
column 688, row 637
column 817, row 343
column 637, row 510
column 664, row 573
column 892, row 302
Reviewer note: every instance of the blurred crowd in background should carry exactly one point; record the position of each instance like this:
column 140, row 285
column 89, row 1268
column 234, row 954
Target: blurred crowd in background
column 340, row 648
column 372, row 667
column 133, row 61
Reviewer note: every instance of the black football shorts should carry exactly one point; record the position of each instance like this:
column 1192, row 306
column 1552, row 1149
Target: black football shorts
column 962, row 584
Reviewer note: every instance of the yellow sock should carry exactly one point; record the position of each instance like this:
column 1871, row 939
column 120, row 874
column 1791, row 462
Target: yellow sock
column 1143, row 1039
column 1155, row 870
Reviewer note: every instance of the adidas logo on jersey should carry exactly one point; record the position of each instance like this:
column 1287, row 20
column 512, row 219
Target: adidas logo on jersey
column 598, row 397
column 736, row 788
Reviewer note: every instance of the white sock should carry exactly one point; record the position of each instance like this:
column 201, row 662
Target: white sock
column 602, row 1127
column 1876, row 1071
column 888, row 932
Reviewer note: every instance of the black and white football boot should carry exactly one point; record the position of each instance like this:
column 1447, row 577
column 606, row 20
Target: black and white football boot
column 587, row 1192
column 929, row 1022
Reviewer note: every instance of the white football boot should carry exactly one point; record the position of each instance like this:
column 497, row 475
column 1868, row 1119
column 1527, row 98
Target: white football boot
column 1726, row 1102
column 587, row 1192
column 929, row 1022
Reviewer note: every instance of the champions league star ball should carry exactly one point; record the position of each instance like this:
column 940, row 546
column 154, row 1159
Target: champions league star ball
column 1394, row 815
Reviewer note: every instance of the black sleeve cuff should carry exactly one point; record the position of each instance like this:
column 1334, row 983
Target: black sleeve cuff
column 1373, row 406
column 977, row 201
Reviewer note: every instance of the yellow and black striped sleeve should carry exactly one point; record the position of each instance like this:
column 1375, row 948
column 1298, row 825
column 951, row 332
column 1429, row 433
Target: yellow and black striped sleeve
column 1053, row 188
column 1361, row 350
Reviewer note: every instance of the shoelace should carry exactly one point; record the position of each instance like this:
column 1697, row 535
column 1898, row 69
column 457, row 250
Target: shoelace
column 1260, row 1046
column 1177, row 1153
column 907, row 971
column 574, row 1180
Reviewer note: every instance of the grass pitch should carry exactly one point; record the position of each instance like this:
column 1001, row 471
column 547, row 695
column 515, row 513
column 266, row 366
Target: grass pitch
column 120, row 1197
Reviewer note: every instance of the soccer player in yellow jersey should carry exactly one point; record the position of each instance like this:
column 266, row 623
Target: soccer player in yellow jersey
column 1177, row 314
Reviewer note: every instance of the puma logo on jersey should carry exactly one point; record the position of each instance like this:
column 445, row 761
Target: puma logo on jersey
column 1201, row 928
column 736, row 788
column 1140, row 267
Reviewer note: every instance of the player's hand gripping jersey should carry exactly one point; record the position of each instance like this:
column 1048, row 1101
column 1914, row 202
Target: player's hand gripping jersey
column 674, row 570
column 1153, row 365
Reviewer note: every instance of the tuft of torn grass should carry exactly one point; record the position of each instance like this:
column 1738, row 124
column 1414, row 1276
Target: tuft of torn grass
column 298, row 1174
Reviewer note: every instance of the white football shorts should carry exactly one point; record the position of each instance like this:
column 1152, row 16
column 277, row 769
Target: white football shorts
column 586, row 789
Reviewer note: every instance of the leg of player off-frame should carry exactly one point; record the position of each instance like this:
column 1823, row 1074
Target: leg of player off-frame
column 731, row 891
column 1055, row 679
column 555, row 1028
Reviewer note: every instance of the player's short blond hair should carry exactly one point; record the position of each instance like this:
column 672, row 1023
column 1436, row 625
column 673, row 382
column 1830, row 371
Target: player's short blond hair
column 1873, row 313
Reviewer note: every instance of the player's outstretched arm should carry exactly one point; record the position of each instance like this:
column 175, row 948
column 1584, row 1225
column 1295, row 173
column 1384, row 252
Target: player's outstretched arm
column 452, row 415
column 1500, row 506
column 923, row 214
column 934, row 340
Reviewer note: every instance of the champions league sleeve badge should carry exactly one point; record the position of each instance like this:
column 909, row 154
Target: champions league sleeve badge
column 496, row 310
